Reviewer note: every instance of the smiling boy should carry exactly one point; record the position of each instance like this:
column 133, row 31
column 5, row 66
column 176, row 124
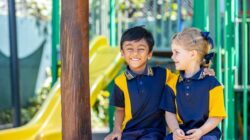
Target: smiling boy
column 138, row 91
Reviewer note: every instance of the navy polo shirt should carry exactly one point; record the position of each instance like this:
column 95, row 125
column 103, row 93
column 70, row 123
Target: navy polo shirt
column 194, row 100
column 140, row 96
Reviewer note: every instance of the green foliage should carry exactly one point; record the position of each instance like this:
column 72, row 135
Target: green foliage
column 5, row 116
column 28, row 112
column 99, row 112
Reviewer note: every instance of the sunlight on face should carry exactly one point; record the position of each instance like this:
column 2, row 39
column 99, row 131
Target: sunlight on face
column 136, row 54
column 180, row 56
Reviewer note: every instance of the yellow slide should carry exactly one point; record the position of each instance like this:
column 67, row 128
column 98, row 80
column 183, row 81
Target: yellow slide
column 105, row 62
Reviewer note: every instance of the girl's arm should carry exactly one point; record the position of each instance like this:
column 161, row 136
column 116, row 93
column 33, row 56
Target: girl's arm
column 173, row 124
column 209, row 125
column 117, row 132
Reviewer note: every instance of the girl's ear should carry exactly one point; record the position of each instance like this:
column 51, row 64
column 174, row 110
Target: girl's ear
column 194, row 53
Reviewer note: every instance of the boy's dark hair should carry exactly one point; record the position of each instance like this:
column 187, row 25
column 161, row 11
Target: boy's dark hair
column 137, row 33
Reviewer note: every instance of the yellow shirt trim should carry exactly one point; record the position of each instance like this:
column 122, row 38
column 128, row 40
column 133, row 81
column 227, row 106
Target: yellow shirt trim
column 216, row 102
column 121, row 82
column 171, row 81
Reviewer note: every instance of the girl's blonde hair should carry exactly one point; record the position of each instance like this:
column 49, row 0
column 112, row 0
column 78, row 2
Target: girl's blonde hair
column 194, row 39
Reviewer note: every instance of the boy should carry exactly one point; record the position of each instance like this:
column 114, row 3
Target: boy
column 138, row 91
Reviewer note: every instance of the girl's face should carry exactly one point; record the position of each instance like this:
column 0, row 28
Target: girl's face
column 181, row 57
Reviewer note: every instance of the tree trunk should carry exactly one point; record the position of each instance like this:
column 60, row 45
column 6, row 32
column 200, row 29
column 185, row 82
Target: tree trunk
column 76, row 123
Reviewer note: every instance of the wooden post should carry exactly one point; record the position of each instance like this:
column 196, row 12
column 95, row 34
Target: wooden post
column 76, row 123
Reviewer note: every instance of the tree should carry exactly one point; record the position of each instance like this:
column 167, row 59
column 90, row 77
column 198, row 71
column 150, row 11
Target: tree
column 76, row 124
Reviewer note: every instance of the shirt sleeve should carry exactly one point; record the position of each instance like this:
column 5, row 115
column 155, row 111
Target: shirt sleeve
column 216, row 102
column 168, row 100
column 117, row 97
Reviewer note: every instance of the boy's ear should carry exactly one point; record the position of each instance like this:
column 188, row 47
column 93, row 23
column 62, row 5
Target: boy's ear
column 150, row 54
column 122, row 53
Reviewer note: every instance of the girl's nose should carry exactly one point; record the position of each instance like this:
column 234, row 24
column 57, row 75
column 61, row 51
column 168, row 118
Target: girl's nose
column 172, row 57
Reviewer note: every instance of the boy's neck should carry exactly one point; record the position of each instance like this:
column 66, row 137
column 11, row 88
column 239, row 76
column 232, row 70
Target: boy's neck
column 191, row 70
column 139, row 71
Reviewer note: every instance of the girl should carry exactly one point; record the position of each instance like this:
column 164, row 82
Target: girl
column 195, row 106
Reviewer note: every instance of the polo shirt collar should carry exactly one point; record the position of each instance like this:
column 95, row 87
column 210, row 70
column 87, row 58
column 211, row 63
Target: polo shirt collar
column 131, row 75
column 199, row 75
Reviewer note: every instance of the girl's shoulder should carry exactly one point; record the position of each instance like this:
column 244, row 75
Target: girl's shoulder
column 212, row 81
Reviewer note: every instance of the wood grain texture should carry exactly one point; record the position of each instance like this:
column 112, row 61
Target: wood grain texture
column 76, row 122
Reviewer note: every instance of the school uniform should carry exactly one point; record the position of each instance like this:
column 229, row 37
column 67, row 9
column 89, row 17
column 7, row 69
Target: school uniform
column 140, row 96
column 194, row 100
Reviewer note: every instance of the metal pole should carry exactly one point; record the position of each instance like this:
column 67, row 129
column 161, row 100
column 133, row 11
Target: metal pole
column 237, row 48
column 112, row 24
column 55, row 38
column 163, row 24
column 155, row 33
column 170, row 10
column 179, row 26
column 238, row 107
column 245, row 68
column 14, row 65
column 229, row 125
column 218, row 43
column 201, row 19
column 218, row 40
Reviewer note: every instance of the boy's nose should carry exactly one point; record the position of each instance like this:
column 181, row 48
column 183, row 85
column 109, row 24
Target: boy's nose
column 135, row 52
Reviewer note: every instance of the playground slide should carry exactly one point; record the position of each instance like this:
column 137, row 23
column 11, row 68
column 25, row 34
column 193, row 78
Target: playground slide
column 105, row 62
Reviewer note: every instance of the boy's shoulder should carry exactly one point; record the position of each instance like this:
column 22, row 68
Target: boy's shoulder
column 158, row 68
column 162, row 69
column 120, row 77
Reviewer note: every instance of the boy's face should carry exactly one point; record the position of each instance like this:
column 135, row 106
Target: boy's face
column 136, row 54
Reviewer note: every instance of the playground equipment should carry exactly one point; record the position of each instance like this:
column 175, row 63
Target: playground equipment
column 228, row 26
column 46, row 125
column 231, row 58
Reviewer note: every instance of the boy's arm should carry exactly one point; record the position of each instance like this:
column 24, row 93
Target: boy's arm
column 209, row 125
column 173, row 124
column 209, row 71
column 117, row 100
column 117, row 132
column 119, row 117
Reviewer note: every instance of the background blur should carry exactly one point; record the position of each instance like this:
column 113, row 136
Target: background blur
column 27, row 98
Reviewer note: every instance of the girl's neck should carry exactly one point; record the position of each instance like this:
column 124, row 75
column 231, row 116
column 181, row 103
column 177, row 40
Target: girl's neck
column 192, row 70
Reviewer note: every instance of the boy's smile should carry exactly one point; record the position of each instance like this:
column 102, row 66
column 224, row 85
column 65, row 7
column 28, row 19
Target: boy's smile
column 136, row 54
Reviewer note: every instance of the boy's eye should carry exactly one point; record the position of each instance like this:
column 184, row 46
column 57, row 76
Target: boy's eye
column 129, row 49
column 141, row 49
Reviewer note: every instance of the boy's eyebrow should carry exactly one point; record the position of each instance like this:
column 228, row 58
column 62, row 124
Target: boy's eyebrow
column 128, row 44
